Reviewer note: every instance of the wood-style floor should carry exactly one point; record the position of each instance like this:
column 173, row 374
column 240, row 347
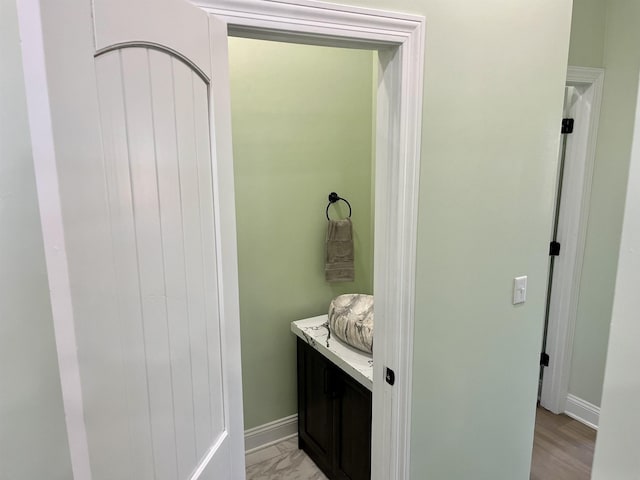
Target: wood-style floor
column 562, row 448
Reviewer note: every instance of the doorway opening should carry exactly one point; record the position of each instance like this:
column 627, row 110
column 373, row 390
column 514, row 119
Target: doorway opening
column 399, row 39
column 584, row 93
column 579, row 127
column 571, row 97
column 303, row 125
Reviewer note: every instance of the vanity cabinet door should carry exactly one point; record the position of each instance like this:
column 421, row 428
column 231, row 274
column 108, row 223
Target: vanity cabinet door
column 334, row 417
column 316, row 387
column 352, row 459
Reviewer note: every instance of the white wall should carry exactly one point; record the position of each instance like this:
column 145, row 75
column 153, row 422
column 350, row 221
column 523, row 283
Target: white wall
column 33, row 440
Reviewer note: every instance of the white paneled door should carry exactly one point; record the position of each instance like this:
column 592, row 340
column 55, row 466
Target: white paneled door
column 129, row 110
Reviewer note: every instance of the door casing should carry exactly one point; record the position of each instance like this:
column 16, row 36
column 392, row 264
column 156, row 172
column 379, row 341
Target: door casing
column 399, row 39
column 572, row 229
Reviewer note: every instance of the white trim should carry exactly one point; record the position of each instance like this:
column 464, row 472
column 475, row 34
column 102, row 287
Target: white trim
column 270, row 433
column 226, row 247
column 583, row 411
column 204, row 463
column 319, row 22
column 580, row 159
column 400, row 39
column 44, row 158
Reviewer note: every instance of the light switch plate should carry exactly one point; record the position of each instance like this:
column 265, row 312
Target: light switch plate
column 519, row 290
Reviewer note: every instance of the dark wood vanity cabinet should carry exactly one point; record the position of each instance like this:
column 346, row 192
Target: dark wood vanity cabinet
column 334, row 417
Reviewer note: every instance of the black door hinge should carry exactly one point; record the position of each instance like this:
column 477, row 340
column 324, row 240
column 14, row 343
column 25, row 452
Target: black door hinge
column 390, row 376
column 544, row 359
column 554, row 249
column 567, row 126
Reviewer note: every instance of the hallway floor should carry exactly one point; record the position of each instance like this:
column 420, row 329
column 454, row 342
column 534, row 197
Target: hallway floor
column 282, row 461
column 562, row 448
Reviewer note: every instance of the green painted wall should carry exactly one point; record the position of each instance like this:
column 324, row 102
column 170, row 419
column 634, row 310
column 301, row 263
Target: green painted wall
column 494, row 80
column 493, row 96
column 302, row 119
column 586, row 48
column 616, row 453
column 494, row 77
column 622, row 66
column 604, row 34
column 33, row 438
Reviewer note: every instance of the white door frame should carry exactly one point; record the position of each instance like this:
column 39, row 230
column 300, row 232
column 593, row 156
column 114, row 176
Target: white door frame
column 572, row 232
column 399, row 39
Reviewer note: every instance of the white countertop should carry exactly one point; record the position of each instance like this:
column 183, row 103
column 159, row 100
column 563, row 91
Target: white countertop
column 357, row 364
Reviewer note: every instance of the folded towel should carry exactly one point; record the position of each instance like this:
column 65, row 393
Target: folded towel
column 339, row 262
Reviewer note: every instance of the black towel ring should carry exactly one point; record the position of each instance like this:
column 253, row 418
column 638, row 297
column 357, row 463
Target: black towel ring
column 333, row 198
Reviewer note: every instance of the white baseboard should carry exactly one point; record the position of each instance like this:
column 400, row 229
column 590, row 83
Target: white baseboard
column 582, row 411
column 270, row 433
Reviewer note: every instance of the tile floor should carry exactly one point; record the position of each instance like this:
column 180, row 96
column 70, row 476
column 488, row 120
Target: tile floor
column 282, row 461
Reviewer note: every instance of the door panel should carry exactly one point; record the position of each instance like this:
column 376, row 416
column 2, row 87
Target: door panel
column 318, row 402
column 127, row 331
column 171, row 221
column 154, row 117
column 156, row 22
column 315, row 405
column 353, row 452
column 130, row 176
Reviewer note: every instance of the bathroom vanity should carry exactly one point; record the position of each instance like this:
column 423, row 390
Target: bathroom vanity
column 334, row 402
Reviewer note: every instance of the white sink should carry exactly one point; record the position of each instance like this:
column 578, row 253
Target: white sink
column 351, row 320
